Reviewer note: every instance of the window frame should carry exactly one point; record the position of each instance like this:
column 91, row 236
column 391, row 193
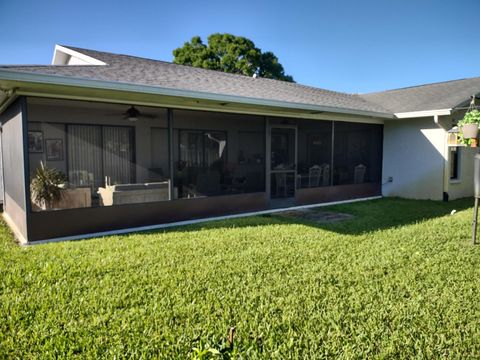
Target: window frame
column 451, row 150
column 203, row 132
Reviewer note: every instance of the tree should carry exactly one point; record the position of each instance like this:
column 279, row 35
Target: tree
column 232, row 54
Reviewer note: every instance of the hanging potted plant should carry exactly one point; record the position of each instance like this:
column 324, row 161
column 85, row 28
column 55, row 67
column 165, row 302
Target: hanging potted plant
column 469, row 124
column 47, row 187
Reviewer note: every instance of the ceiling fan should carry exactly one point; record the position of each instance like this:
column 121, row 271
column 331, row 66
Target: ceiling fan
column 133, row 114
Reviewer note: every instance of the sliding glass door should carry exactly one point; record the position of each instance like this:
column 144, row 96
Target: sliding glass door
column 85, row 163
column 118, row 154
column 99, row 155
column 202, row 159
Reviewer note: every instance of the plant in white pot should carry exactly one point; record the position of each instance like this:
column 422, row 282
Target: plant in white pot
column 47, row 186
column 469, row 126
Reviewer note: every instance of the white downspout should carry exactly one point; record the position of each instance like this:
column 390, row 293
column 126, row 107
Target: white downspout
column 445, row 156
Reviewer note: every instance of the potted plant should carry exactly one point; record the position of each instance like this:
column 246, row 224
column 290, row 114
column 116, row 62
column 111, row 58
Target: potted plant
column 47, row 186
column 469, row 126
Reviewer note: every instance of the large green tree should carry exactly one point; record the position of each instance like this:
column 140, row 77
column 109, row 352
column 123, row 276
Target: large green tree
column 232, row 54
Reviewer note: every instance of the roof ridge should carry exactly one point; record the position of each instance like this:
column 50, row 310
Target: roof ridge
column 131, row 69
column 420, row 85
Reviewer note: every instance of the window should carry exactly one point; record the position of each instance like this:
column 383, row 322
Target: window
column 100, row 154
column 454, row 160
column 217, row 153
column 91, row 153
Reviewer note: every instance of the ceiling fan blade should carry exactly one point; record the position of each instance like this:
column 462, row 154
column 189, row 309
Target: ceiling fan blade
column 150, row 116
column 131, row 112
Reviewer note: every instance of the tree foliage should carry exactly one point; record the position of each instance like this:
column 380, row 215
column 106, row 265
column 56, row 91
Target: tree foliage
column 232, row 54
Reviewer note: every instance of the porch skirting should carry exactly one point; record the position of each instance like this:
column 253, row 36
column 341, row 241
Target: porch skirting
column 336, row 193
column 53, row 224
column 78, row 223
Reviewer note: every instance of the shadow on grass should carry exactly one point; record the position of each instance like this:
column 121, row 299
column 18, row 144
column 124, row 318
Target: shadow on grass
column 367, row 216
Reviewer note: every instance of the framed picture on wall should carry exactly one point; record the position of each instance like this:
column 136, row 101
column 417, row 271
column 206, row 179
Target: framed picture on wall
column 54, row 149
column 35, row 142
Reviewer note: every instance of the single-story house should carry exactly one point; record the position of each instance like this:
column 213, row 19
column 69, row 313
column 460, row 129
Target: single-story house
column 143, row 143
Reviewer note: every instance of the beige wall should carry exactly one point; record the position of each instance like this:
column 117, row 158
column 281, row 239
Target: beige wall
column 413, row 156
column 463, row 186
column 416, row 155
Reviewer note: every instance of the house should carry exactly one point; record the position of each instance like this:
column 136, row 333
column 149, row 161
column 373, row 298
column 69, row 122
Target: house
column 146, row 142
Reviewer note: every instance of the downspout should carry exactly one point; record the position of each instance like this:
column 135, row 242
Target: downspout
column 445, row 159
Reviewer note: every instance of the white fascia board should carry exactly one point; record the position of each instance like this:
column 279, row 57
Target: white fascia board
column 425, row 113
column 61, row 49
column 26, row 77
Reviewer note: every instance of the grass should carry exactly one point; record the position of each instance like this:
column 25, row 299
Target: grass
column 400, row 280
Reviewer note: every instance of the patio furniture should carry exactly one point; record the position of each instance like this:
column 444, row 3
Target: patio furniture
column 359, row 174
column 314, row 174
column 134, row 193
column 208, row 183
column 325, row 175
column 281, row 184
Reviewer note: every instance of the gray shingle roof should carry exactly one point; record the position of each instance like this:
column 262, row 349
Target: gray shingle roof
column 141, row 71
column 442, row 95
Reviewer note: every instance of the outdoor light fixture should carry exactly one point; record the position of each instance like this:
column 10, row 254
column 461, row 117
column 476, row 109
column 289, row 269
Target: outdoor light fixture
column 452, row 136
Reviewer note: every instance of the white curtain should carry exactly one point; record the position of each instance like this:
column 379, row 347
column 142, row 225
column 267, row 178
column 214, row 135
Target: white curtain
column 85, row 155
column 96, row 152
column 117, row 154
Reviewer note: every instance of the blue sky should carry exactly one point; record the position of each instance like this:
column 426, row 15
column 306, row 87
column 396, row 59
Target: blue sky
column 349, row 45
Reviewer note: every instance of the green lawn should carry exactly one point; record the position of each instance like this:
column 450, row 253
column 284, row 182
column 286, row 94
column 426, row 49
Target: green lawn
column 400, row 280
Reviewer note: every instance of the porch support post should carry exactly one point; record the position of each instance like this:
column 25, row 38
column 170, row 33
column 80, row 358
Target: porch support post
column 170, row 151
column 332, row 153
column 267, row 158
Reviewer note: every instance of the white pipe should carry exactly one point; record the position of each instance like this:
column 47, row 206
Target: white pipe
column 445, row 155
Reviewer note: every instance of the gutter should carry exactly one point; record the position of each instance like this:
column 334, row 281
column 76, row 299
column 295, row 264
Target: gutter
column 423, row 113
column 27, row 77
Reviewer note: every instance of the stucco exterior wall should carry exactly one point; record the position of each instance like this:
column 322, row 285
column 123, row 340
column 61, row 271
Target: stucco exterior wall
column 414, row 158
